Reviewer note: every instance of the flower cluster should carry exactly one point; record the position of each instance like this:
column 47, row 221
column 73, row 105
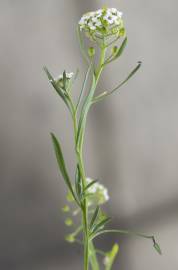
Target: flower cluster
column 68, row 76
column 63, row 79
column 98, row 191
column 102, row 23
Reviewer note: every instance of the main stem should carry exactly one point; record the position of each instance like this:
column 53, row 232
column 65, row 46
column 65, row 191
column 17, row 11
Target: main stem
column 88, row 245
column 79, row 155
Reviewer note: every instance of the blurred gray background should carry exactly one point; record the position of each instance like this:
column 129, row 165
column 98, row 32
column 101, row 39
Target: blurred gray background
column 132, row 137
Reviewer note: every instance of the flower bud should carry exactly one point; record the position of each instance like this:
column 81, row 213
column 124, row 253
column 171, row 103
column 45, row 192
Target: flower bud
column 122, row 32
column 62, row 80
column 66, row 209
column 68, row 222
column 91, row 51
column 114, row 50
column 70, row 238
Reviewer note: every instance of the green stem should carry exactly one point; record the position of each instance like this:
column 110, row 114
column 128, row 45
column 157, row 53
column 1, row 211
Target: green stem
column 84, row 206
column 93, row 257
column 89, row 250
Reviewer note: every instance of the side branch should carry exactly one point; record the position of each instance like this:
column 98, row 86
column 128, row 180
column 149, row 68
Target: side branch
column 106, row 93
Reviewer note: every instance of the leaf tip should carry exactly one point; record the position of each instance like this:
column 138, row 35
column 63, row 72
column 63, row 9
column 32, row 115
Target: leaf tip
column 157, row 248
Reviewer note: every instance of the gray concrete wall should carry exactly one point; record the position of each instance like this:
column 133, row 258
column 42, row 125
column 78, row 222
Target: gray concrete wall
column 132, row 138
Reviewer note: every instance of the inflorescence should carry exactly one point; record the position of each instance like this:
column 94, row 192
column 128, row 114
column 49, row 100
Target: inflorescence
column 101, row 23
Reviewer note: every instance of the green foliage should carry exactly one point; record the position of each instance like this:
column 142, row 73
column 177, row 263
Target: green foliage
column 61, row 164
column 56, row 86
column 94, row 218
column 110, row 257
column 88, row 196
column 116, row 52
column 157, row 247
column 90, row 184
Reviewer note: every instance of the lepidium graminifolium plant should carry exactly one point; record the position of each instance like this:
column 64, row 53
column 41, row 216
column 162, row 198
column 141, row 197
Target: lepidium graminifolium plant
column 104, row 31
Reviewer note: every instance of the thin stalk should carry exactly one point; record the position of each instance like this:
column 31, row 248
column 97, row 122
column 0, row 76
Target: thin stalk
column 89, row 250
column 84, row 205
column 93, row 257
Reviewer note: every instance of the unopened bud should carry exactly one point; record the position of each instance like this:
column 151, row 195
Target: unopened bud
column 68, row 222
column 114, row 50
column 91, row 51
column 122, row 32
column 70, row 238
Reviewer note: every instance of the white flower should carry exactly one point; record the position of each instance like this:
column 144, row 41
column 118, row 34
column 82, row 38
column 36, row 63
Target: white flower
column 109, row 18
column 100, row 192
column 100, row 23
column 119, row 14
column 113, row 10
column 68, row 76
column 99, row 12
column 106, row 260
column 91, row 26
column 94, row 19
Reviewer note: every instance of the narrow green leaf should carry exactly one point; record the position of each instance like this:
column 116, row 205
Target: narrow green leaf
column 78, row 183
column 83, row 86
column 110, row 257
column 157, row 248
column 90, row 184
column 61, row 164
column 108, row 93
column 86, row 195
column 126, row 232
column 64, row 79
column 58, row 90
column 100, row 225
column 85, row 108
column 121, row 49
column 82, row 46
column 94, row 217
column 118, row 52
column 50, row 78
column 69, row 197
column 76, row 75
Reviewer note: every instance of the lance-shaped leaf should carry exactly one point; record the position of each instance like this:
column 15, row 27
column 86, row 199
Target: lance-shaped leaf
column 57, row 88
column 97, row 227
column 118, row 52
column 108, row 93
column 78, row 183
column 110, row 257
column 90, row 184
column 94, row 217
column 126, row 232
column 61, row 164
column 156, row 246
column 121, row 49
column 83, row 86
column 64, row 79
column 82, row 46
column 85, row 108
